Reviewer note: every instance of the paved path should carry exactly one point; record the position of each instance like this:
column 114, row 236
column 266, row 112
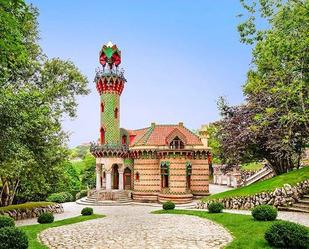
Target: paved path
column 134, row 227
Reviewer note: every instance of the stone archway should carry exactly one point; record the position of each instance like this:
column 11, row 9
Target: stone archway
column 115, row 176
column 127, row 179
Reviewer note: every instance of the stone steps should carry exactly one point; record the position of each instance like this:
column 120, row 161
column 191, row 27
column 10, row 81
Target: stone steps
column 301, row 206
column 293, row 209
column 87, row 202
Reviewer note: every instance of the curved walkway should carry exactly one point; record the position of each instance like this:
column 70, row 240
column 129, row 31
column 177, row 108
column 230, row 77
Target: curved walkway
column 134, row 227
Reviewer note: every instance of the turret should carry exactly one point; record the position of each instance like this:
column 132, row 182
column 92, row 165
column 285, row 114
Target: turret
column 110, row 83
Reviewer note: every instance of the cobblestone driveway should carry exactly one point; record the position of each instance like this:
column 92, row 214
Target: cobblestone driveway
column 134, row 227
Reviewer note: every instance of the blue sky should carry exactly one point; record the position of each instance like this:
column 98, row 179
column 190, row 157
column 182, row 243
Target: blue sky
column 178, row 57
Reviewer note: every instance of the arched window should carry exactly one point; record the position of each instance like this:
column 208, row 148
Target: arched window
column 137, row 176
column 177, row 144
column 124, row 139
column 164, row 174
column 188, row 174
column 102, row 136
column 116, row 112
column 102, row 107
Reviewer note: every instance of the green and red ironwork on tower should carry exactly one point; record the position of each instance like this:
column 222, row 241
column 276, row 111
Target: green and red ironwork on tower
column 110, row 83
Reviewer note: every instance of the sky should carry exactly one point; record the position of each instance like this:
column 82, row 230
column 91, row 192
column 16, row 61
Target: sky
column 178, row 56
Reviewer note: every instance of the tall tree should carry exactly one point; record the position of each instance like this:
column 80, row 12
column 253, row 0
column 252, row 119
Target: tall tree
column 273, row 122
column 35, row 94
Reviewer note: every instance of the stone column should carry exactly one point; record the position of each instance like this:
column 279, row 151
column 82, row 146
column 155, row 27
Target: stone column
column 108, row 175
column 98, row 178
column 120, row 180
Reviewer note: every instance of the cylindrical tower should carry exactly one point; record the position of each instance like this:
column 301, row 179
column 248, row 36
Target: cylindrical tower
column 110, row 83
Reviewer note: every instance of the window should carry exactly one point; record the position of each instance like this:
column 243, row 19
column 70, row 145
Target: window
column 116, row 112
column 137, row 176
column 102, row 107
column 164, row 174
column 177, row 144
column 124, row 139
column 102, row 136
column 188, row 174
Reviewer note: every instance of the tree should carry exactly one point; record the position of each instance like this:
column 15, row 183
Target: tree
column 273, row 122
column 35, row 94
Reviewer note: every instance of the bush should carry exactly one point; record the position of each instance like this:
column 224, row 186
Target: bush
column 13, row 238
column 284, row 234
column 46, row 218
column 81, row 194
column 87, row 211
column 264, row 213
column 60, row 197
column 6, row 222
column 169, row 205
column 215, row 207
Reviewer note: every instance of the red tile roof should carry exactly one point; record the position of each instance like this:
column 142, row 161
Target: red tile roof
column 157, row 135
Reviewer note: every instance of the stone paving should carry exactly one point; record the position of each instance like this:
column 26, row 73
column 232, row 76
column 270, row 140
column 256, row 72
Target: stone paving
column 134, row 227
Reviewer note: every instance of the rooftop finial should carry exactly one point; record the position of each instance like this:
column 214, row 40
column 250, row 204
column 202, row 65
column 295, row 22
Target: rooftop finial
column 110, row 55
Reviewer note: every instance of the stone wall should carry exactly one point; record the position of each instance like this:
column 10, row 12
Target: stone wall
column 21, row 214
column 285, row 196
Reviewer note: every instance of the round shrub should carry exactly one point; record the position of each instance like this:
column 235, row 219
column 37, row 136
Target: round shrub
column 13, row 238
column 60, row 197
column 284, row 234
column 215, row 207
column 87, row 211
column 169, row 205
column 81, row 194
column 6, row 221
column 264, row 213
column 68, row 196
column 56, row 197
column 46, row 218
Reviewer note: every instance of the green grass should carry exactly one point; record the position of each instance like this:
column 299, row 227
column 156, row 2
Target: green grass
column 28, row 205
column 247, row 232
column 32, row 231
column 254, row 166
column 291, row 178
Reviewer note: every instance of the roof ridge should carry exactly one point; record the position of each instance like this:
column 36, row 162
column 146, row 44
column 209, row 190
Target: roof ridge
column 147, row 129
column 148, row 133
column 192, row 133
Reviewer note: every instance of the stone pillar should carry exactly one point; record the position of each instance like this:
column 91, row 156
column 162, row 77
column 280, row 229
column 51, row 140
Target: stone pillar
column 108, row 183
column 120, row 180
column 98, row 176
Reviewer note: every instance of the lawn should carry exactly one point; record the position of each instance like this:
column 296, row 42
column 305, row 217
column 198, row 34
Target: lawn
column 291, row 178
column 254, row 166
column 32, row 231
column 247, row 232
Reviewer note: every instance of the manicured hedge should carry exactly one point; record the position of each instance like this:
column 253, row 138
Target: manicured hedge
column 284, row 234
column 13, row 238
column 215, row 207
column 60, row 197
column 169, row 205
column 87, row 211
column 264, row 213
column 25, row 206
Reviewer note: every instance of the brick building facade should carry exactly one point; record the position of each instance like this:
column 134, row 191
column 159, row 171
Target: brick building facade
column 157, row 163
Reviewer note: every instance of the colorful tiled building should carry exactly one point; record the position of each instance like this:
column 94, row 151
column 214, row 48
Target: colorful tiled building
column 156, row 163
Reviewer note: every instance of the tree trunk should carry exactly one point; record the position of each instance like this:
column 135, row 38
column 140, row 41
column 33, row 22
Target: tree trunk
column 280, row 165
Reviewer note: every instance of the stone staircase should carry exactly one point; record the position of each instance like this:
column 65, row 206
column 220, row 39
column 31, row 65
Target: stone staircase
column 301, row 206
column 264, row 173
column 121, row 198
